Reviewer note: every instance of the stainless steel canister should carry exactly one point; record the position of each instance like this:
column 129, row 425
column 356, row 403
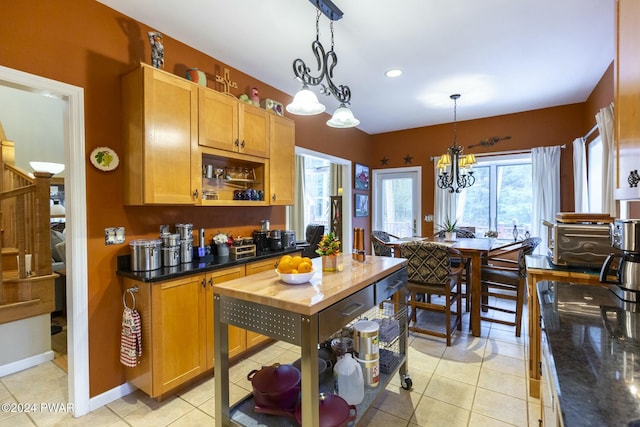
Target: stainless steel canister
column 365, row 338
column 185, row 231
column 186, row 251
column 145, row 254
column 170, row 239
column 171, row 256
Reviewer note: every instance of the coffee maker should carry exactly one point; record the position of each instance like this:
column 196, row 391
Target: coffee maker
column 625, row 236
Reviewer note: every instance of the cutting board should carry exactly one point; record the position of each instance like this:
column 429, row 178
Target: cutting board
column 575, row 217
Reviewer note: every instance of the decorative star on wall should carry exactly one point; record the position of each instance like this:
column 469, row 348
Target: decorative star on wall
column 384, row 161
column 407, row 159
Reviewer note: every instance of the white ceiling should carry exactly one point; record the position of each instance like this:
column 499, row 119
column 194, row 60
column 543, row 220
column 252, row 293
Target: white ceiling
column 502, row 56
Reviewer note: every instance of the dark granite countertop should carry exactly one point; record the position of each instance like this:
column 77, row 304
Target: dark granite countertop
column 595, row 346
column 195, row 267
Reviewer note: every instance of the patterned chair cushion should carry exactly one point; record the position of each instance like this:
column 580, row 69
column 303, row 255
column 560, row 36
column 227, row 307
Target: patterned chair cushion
column 427, row 262
column 378, row 248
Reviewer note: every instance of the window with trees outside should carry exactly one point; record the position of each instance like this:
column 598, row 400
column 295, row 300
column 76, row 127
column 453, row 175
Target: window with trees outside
column 317, row 191
column 500, row 198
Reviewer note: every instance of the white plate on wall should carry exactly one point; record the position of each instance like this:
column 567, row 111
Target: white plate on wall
column 104, row 158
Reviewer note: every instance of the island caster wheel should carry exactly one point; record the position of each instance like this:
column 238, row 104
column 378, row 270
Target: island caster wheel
column 406, row 383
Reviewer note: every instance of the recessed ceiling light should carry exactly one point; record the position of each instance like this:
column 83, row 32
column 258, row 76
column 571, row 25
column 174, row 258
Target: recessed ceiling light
column 393, row 73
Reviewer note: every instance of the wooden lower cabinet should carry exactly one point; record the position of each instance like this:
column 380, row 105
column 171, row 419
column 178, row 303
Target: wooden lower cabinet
column 236, row 335
column 177, row 328
column 173, row 330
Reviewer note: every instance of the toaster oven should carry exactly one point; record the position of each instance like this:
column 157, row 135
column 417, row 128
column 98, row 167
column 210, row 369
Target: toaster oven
column 586, row 243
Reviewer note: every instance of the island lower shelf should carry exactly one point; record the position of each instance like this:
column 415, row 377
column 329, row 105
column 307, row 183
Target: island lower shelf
column 354, row 292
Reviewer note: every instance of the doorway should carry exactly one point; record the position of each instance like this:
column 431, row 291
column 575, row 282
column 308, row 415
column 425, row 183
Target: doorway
column 76, row 248
column 397, row 201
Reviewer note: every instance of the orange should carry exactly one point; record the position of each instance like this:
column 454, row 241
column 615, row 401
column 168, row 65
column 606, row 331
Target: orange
column 306, row 259
column 285, row 266
column 296, row 261
column 285, row 257
column 294, row 271
column 304, row 267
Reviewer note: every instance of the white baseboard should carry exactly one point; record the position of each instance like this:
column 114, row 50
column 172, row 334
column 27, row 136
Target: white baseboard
column 22, row 364
column 110, row 395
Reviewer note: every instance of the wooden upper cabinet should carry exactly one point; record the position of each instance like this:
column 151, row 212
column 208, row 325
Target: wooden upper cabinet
column 160, row 113
column 218, row 121
column 282, row 161
column 627, row 96
column 231, row 125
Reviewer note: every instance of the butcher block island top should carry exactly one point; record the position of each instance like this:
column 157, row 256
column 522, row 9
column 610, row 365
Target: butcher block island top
column 324, row 289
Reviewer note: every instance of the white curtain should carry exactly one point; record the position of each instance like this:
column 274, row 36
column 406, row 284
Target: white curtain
column 580, row 186
column 296, row 212
column 604, row 119
column 545, row 165
column 444, row 202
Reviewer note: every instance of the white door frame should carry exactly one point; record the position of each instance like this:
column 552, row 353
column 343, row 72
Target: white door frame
column 76, row 234
column 377, row 174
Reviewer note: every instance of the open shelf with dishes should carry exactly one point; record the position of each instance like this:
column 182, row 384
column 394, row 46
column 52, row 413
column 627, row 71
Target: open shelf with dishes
column 230, row 179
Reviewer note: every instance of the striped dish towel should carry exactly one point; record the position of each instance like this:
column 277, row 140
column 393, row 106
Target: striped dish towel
column 130, row 338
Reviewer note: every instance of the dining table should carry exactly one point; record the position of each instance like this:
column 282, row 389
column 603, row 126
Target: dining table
column 474, row 249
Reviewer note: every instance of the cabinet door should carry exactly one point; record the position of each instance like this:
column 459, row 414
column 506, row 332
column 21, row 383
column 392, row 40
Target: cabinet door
column 627, row 102
column 253, row 130
column 160, row 113
column 218, row 120
column 237, row 341
column 179, row 329
column 282, row 158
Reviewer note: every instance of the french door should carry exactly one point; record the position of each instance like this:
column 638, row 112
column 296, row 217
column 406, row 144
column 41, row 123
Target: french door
column 397, row 201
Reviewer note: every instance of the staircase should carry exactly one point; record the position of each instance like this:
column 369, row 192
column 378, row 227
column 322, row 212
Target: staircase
column 25, row 222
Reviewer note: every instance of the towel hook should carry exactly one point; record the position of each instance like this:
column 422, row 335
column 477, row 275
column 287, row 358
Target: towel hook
column 131, row 291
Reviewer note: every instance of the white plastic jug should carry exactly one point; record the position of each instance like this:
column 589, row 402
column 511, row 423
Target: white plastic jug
column 349, row 382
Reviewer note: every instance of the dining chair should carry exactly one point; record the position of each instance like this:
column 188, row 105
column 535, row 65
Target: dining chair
column 313, row 235
column 465, row 233
column 378, row 240
column 503, row 277
column 430, row 272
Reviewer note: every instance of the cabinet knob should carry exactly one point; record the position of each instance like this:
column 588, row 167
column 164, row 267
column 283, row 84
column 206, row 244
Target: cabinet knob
column 210, row 281
column 236, row 143
column 204, row 283
column 273, row 197
column 242, row 144
column 195, row 194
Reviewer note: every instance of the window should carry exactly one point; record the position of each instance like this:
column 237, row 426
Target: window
column 317, row 191
column 500, row 197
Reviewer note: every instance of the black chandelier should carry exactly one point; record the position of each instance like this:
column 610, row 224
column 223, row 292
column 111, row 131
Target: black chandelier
column 455, row 169
column 305, row 101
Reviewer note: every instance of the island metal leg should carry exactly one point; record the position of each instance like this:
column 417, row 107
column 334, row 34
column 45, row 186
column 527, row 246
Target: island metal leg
column 221, row 355
column 309, row 364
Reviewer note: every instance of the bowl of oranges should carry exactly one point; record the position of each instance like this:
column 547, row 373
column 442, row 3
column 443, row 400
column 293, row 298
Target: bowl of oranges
column 295, row 270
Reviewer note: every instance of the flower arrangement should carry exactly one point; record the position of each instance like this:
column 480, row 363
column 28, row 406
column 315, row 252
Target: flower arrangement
column 491, row 234
column 222, row 238
column 329, row 245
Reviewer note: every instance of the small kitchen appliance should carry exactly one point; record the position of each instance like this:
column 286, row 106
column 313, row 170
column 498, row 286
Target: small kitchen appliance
column 275, row 240
column 579, row 239
column 288, row 239
column 260, row 239
column 625, row 236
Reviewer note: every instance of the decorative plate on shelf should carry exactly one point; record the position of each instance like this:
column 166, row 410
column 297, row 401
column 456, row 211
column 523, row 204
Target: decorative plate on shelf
column 104, row 158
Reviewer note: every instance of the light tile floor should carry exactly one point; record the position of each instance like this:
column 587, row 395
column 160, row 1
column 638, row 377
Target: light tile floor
column 475, row 382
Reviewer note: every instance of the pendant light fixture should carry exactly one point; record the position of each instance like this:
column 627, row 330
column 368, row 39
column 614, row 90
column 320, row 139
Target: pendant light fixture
column 305, row 101
column 455, row 170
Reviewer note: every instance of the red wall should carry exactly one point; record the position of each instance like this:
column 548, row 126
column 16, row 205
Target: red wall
column 86, row 44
